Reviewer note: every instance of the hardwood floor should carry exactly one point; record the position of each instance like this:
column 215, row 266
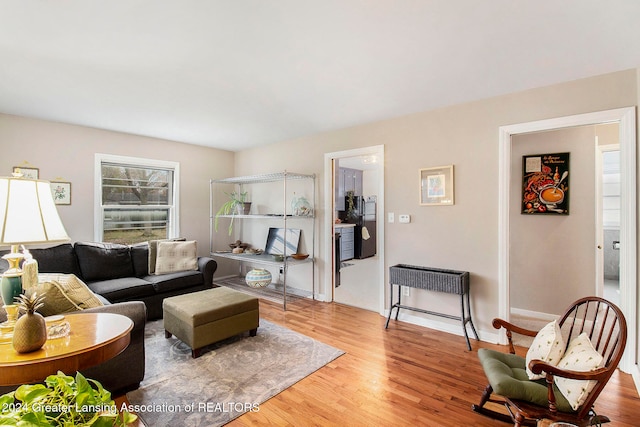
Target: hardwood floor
column 405, row 375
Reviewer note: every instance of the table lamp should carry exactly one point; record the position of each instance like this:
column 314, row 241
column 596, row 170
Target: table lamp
column 28, row 215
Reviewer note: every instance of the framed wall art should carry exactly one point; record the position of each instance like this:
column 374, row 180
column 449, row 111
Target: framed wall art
column 436, row 186
column 61, row 192
column 545, row 184
column 29, row 173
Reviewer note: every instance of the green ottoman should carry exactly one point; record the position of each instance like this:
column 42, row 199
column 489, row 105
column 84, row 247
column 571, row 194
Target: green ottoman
column 202, row 318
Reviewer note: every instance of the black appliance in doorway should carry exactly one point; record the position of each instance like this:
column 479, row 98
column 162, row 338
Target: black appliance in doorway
column 365, row 230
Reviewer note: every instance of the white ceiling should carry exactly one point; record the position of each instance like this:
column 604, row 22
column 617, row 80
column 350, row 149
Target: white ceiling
column 233, row 74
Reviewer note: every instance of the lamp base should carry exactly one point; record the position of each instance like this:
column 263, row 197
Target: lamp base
column 12, row 316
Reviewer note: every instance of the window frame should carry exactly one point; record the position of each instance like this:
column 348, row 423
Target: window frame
column 173, row 228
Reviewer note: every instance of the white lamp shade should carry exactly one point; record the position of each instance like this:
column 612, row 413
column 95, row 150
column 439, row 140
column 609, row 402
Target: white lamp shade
column 28, row 214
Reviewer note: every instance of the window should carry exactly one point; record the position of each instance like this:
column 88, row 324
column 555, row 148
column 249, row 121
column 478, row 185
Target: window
column 136, row 199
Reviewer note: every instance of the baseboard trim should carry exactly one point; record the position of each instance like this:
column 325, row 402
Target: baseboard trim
column 635, row 374
column 451, row 328
column 533, row 314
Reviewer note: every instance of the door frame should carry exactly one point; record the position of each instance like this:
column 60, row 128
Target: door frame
column 329, row 191
column 600, row 150
column 626, row 119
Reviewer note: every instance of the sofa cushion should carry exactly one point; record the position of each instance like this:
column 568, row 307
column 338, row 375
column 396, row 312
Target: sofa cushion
column 153, row 251
column 126, row 288
column 175, row 281
column 101, row 261
column 64, row 293
column 56, row 259
column 140, row 259
column 174, row 257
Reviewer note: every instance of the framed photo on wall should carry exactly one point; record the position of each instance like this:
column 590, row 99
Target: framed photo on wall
column 436, row 186
column 61, row 192
column 29, row 173
column 545, row 184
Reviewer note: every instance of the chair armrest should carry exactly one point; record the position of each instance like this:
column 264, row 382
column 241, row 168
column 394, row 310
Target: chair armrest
column 207, row 266
column 510, row 327
column 500, row 323
column 538, row 366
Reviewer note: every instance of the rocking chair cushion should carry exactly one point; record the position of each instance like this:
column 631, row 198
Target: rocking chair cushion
column 547, row 346
column 508, row 377
column 580, row 356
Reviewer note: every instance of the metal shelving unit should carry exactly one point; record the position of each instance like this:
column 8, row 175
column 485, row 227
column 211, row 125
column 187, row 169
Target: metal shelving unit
column 286, row 219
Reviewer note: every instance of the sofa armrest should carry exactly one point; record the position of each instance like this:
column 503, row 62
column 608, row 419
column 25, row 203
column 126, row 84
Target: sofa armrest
column 134, row 310
column 125, row 371
column 207, row 266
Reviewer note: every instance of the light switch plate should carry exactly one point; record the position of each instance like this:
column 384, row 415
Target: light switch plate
column 404, row 219
column 391, row 217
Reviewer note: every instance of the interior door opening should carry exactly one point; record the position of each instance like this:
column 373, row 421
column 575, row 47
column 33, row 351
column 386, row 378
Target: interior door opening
column 608, row 259
column 356, row 183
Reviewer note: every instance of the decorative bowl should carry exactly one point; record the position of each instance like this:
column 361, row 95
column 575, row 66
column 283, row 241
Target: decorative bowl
column 300, row 256
column 258, row 278
column 278, row 258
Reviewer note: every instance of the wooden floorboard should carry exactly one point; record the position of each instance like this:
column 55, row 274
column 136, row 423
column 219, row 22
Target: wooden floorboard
column 406, row 375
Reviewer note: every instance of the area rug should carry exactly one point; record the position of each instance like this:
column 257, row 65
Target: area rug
column 230, row 378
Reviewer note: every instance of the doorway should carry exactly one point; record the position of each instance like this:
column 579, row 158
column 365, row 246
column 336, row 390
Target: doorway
column 608, row 214
column 356, row 276
column 625, row 118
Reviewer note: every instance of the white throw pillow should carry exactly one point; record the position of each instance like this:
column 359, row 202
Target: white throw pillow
column 548, row 346
column 581, row 357
column 176, row 256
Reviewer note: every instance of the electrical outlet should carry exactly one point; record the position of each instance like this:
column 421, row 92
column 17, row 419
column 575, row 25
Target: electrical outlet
column 406, row 291
column 404, row 219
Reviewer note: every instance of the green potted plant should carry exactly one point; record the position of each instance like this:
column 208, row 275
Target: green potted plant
column 62, row 401
column 236, row 205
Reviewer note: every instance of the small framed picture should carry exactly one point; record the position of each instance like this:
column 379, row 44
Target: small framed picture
column 29, row 173
column 61, row 192
column 436, row 186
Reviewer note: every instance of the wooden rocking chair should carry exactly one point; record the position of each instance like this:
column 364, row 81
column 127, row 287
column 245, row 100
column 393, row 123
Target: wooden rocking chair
column 527, row 401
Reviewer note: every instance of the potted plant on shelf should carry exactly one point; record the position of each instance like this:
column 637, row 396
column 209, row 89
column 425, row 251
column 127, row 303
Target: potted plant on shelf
column 62, row 401
column 236, row 205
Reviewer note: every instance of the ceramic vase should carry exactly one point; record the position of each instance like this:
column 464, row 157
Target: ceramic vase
column 258, row 278
column 10, row 287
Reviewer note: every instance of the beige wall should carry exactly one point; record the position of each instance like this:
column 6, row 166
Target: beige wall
column 463, row 236
column 67, row 152
column 550, row 254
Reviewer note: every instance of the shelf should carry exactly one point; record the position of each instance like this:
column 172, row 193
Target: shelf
column 284, row 218
column 260, row 259
column 265, row 216
column 255, row 179
column 273, row 292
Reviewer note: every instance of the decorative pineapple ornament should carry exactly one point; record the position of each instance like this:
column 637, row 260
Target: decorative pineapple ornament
column 30, row 331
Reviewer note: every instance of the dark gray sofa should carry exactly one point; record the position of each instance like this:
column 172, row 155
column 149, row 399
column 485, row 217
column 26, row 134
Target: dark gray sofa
column 121, row 273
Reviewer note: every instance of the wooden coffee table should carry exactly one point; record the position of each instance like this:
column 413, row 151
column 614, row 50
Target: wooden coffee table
column 94, row 338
